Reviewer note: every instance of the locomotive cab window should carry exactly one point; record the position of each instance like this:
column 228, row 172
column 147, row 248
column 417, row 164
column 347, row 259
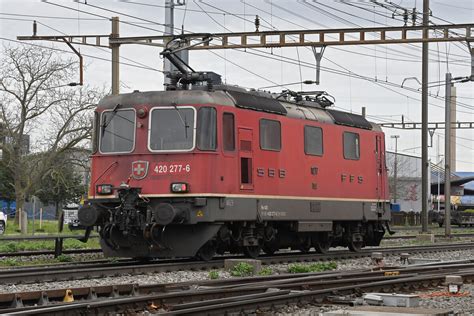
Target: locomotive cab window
column 117, row 131
column 270, row 135
column 351, row 146
column 95, row 134
column 228, row 131
column 172, row 129
column 207, row 128
column 313, row 141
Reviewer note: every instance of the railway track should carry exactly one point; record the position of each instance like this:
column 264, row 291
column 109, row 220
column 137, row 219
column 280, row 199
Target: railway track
column 98, row 250
column 103, row 268
column 436, row 236
column 28, row 253
column 231, row 295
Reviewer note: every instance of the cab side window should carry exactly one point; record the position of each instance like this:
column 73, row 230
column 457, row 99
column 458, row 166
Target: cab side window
column 270, row 135
column 351, row 146
column 313, row 141
column 207, row 128
column 228, row 131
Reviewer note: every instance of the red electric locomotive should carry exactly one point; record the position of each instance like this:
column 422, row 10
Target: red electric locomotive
column 205, row 168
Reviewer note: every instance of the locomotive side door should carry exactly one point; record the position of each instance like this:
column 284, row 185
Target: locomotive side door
column 380, row 162
column 245, row 159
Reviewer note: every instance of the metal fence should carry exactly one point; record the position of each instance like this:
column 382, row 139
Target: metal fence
column 412, row 218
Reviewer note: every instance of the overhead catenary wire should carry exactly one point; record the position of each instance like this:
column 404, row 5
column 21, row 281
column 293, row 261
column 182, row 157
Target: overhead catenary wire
column 87, row 55
column 370, row 79
column 350, row 73
column 87, row 12
column 101, row 16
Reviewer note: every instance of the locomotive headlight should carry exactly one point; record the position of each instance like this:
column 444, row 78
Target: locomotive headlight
column 179, row 187
column 104, row 189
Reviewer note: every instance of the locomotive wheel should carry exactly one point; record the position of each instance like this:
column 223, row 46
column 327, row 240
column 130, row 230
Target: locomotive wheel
column 355, row 246
column 270, row 249
column 207, row 252
column 252, row 251
column 305, row 245
column 321, row 243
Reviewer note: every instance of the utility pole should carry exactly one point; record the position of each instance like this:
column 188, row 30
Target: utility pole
column 424, row 121
column 115, row 56
column 169, row 30
column 438, row 162
column 447, row 159
column 452, row 106
column 395, row 168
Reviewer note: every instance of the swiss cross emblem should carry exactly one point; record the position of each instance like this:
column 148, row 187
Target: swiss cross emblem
column 139, row 169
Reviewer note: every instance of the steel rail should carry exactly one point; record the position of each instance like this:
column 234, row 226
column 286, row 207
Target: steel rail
column 217, row 298
column 101, row 269
column 436, row 236
column 98, row 250
column 28, row 253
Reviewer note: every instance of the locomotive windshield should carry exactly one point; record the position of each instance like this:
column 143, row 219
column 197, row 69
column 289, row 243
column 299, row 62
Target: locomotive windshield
column 172, row 129
column 117, row 131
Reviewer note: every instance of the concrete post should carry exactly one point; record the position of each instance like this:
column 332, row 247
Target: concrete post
column 447, row 154
column 453, row 130
column 169, row 30
column 24, row 222
column 115, row 56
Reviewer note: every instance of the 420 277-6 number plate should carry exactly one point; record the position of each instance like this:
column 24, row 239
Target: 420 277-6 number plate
column 170, row 168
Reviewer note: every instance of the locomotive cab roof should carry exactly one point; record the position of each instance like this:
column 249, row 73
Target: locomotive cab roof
column 255, row 100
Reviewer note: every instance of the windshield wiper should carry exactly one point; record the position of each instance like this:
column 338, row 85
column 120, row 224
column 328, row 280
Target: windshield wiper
column 185, row 123
column 106, row 123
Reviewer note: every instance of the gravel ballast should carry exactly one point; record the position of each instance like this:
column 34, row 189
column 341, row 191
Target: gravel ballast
column 457, row 304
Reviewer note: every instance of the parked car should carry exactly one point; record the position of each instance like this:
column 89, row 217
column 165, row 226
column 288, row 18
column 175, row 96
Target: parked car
column 3, row 222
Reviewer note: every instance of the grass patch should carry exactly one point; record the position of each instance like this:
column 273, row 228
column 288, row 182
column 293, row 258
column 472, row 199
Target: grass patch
column 242, row 269
column 213, row 275
column 266, row 271
column 10, row 262
column 47, row 227
column 64, row 258
column 32, row 245
column 314, row 267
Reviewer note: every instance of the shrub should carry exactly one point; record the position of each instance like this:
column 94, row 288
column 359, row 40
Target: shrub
column 266, row 271
column 10, row 262
column 64, row 258
column 242, row 269
column 314, row 267
column 213, row 275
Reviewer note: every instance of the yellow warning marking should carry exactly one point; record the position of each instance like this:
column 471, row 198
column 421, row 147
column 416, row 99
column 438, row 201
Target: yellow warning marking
column 391, row 273
column 200, row 213
column 68, row 297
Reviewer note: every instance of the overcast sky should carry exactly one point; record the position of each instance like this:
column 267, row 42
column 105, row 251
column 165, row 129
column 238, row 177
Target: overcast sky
column 388, row 65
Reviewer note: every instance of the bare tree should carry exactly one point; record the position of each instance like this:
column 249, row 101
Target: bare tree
column 36, row 101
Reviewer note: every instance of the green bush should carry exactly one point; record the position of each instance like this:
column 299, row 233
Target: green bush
column 314, row 267
column 10, row 247
column 298, row 268
column 213, row 275
column 242, row 269
column 266, row 271
column 64, row 258
column 10, row 262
